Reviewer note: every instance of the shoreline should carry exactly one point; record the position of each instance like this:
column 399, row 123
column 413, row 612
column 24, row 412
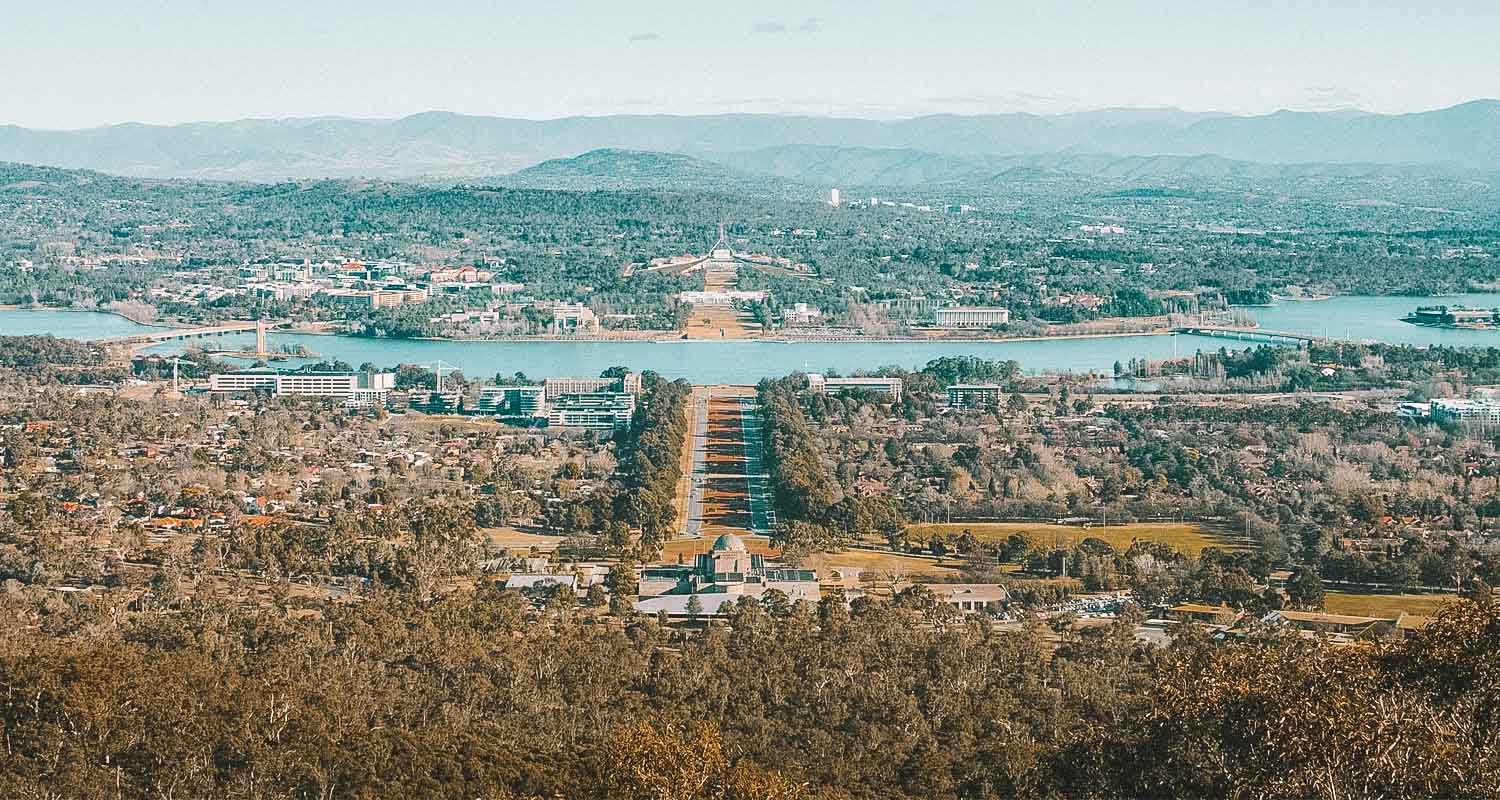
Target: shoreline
column 742, row 340
column 110, row 311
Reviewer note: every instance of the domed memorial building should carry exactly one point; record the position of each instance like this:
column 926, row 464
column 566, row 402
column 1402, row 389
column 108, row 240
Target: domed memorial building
column 723, row 575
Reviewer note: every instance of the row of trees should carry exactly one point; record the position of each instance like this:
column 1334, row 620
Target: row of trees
column 805, row 492
column 651, row 460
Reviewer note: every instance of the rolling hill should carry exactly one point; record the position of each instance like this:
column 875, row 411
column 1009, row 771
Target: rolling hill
column 445, row 145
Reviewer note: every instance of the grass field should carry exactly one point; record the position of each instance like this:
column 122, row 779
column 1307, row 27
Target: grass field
column 884, row 562
column 514, row 539
column 1189, row 538
column 1382, row 605
column 711, row 322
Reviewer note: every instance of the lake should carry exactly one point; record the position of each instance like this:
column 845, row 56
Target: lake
column 68, row 324
column 1360, row 318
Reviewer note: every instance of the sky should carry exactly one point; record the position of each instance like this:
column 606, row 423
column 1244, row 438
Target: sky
column 83, row 63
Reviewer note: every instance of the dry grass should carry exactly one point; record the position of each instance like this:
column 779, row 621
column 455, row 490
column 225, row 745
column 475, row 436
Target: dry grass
column 1382, row 605
column 514, row 539
column 719, row 322
column 884, row 562
column 432, row 422
column 1188, row 538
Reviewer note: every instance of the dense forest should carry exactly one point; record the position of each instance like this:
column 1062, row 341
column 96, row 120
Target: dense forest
column 473, row 695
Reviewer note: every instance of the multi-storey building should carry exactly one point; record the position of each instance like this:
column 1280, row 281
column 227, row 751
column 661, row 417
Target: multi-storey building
column 974, row 395
column 891, row 387
column 1457, row 410
column 557, row 387
column 353, row 388
column 593, row 410
column 514, row 402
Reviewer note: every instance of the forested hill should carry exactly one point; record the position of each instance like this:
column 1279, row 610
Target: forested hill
column 440, row 144
column 632, row 169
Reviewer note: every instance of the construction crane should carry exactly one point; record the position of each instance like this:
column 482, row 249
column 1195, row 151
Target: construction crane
column 438, row 367
column 175, row 361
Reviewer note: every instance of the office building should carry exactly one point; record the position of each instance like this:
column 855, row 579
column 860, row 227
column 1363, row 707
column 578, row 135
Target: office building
column 890, row 387
column 592, row 410
column 974, row 395
column 360, row 389
column 630, row 383
column 376, row 298
column 833, row 198
column 437, row 402
column 1457, row 410
column 976, row 317
column 514, row 402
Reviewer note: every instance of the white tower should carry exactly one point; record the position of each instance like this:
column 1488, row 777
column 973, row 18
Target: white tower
column 833, row 197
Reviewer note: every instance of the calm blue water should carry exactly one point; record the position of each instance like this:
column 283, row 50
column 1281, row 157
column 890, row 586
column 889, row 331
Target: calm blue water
column 1378, row 319
column 1361, row 318
column 67, row 324
column 719, row 362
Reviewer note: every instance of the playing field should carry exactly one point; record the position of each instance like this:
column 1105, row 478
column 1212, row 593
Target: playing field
column 1382, row 605
column 1189, row 537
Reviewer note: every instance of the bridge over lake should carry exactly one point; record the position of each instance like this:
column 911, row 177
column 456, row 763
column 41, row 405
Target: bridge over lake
column 1260, row 335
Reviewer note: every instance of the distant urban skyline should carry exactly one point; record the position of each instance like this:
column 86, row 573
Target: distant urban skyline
column 91, row 62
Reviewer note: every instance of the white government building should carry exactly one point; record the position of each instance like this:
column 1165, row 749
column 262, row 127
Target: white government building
column 820, row 384
column 971, row 317
column 359, row 389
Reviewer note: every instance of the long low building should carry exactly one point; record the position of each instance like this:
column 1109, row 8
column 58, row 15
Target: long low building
column 359, row 389
column 891, row 387
column 971, row 596
column 1461, row 410
column 975, row 317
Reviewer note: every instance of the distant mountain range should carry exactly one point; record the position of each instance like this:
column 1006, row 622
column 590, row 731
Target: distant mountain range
column 443, row 145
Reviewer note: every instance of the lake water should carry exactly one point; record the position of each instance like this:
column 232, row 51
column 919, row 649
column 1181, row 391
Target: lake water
column 67, row 324
column 720, row 362
column 1361, row 318
column 1377, row 319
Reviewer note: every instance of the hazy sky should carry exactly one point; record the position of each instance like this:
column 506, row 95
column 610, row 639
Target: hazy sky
column 78, row 63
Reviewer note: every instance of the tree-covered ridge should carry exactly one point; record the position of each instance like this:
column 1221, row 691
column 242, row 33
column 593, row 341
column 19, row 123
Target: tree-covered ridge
column 48, row 358
column 468, row 695
column 1038, row 247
